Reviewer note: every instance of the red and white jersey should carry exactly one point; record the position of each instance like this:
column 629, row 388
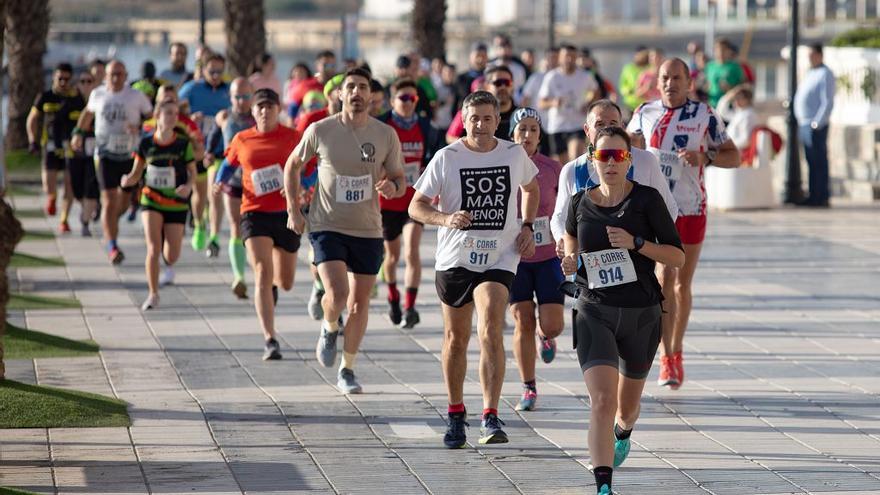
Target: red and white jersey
column 692, row 126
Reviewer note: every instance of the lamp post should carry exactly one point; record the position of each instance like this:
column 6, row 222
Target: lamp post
column 551, row 23
column 793, row 191
column 202, row 22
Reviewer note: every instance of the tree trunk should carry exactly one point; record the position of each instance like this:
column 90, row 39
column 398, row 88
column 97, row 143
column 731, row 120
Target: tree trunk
column 428, row 20
column 27, row 26
column 245, row 33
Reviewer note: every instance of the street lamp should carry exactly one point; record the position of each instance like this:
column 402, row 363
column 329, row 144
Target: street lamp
column 793, row 191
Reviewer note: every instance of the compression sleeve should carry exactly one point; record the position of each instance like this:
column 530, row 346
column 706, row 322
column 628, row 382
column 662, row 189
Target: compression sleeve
column 224, row 173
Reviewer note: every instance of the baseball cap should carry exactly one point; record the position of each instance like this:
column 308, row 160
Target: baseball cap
column 264, row 95
column 333, row 83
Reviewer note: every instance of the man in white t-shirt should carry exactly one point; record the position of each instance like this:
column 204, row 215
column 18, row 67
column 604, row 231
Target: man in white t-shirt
column 565, row 93
column 480, row 241
column 117, row 112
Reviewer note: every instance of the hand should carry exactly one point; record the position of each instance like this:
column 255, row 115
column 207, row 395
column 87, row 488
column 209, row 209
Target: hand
column 209, row 159
column 620, row 238
column 296, row 221
column 560, row 249
column 128, row 180
column 183, row 191
column 388, row 189
column 76, row 142
column 458, row 220
column 637, row 139
column 525, row 242
column 692, row 158
column 197, row 118
column 216, row 188
column 569, row 264
column 34, row 148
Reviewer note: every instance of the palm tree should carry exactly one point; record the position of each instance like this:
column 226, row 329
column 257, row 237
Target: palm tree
column 27, row 25
column 245, row 33
column 428, row 19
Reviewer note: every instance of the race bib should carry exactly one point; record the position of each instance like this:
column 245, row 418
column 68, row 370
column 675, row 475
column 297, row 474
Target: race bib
column 350, row 189
column 670, row 164
column 411, row 172
column 89, row 146
column 608, row 268
column 267, row 179
column 479, row 253
column 160, row 177
column 543, row 237
column 119, row 144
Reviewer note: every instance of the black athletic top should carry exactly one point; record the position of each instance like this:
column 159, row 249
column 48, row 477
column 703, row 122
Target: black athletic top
column 642, row 213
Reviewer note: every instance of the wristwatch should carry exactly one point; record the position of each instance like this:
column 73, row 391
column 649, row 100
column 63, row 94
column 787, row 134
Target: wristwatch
column 638, row 243
column 530, row 225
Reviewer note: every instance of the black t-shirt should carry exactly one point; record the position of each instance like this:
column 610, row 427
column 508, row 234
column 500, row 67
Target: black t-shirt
column 503, row 131
column 642, row 213
column 60, row 113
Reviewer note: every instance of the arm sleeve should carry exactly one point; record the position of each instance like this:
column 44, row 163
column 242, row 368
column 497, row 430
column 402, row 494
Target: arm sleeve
column 224, row 172
column 308, row 145
column 571, row 227
column 232, row 152
column 661, row 223
column 530, row 170
column 38, row 102
column 92, row 105
column 430, row 183
column 563, row 197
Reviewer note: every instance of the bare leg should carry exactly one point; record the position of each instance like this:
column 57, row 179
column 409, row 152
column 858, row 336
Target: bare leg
column 358, row 310
column 153, row 222
column 412, row 235
column 334, row 274
column 683, row 294
column 456, row 335
column 524, row 338
column 260, row 254
column 490, row 301
column 601, row 383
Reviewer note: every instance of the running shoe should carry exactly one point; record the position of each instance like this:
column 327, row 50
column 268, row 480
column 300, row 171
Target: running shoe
column 326, row 349
column 64, row 228
column 346, row 383
column 548, row 349
column 667, row 376
column 51, row 209
column 272, row 351
column 239, row 288
column 527, row 401
column 316, row 311
column 132, row 214
column 456, row 435
column 85, row 232
column 152, row 302
column 605, row 490
column 213, row 250
column 198, row 239
column 116, row 256
column 410, row 318
column 621, row 451
column 491, row 431
column 394, row 313
column 678, row 366
column 166, row 277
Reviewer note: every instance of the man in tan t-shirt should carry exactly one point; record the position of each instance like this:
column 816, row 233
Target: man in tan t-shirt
column 360, row 158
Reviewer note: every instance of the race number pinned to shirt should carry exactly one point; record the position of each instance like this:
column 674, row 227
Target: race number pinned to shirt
column 411, row 172
column 119, row 144
column 543, row 236
column 267, row 179
column 608, row 268
column 160, row 177
column 670, row 164
column 478, row 253
column 354, row 189
column 485, row 194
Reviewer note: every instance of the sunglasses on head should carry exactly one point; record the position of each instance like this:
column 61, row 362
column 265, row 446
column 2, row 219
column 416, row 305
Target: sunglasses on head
column 246, row 96
column 608, row 155
column 501, row 83
column 408, row 98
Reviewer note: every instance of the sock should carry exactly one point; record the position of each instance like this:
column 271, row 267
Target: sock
column 411, row 293
column 620, row 433
column 111, row 245
column 348, row 360
column 330, row 326
column 393, row 293
column 237, row 257
column 531, row 385
column 213, row 238
column 603, row 476
column 456, row 408
column 489, row 410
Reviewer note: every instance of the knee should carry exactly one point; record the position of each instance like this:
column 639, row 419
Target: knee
column 604, row 402
column 356, row 308
column 491, row 337
column 391, row 258
column 525, row 318
column 335, row 296
column 628, row 413
column 262, row 274
column 413, row 258
column 456, row 342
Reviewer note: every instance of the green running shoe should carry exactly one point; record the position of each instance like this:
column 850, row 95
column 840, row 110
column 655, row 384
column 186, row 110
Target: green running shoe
column 621, row 451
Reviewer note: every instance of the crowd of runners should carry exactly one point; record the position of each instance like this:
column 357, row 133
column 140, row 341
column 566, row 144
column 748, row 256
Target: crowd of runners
column 363, row 166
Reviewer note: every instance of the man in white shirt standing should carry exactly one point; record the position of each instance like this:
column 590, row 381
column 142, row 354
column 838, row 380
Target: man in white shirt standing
column 480, row 241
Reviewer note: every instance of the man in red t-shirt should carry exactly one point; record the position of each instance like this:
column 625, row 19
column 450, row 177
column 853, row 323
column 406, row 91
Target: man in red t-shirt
column 262, row 152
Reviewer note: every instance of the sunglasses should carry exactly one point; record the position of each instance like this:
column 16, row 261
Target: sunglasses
column 606, row 156
column 408, row 98
column 502, row 83
column 215, row 72
column 246, row 96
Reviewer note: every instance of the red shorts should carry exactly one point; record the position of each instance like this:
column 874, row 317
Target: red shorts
column 691, row 229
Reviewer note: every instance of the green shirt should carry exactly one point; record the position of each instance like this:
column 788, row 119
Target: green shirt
column 166, row 169
column 722, row 77
column 629, row 82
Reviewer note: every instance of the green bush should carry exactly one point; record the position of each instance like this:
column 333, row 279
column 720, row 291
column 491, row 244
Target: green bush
column 859, row 37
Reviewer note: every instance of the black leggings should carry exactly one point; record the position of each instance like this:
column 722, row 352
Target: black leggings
column 626, row 338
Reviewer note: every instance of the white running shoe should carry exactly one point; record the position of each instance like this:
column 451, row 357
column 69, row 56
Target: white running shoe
column 166, row 277
column 152, row 302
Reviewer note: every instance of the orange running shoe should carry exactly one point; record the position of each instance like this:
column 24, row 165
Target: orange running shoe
column 50, row 206
column 668, row 377
column 678, row 366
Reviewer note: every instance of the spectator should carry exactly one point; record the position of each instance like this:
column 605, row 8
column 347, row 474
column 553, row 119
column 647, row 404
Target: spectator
column 629, row 78
column 647, row 88
column 812, row 109
column 735, row 108
column 723, row 73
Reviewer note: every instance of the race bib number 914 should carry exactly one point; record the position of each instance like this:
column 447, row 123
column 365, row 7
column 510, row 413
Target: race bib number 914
column 608, row 268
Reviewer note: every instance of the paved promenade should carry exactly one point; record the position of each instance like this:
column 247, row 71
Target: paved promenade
column 782, row 391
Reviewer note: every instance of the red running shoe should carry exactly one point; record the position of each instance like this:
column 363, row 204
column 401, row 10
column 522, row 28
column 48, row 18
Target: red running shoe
column 50, row 206
column 668, row 377
column 64, row 228
column 678, row 366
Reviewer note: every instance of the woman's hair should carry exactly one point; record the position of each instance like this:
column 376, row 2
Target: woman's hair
column 258, row 63
column 609, row 132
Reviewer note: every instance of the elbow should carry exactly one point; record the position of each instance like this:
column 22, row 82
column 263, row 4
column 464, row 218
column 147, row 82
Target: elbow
column 413, row 211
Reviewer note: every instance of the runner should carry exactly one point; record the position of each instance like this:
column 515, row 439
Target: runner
column 565, row 93
column 260, row 151
column 176, row 73
column 117, row 111
column 685, row 136
column 359, row 160
column 498, row 82
column 624, row 229
column 81, row 164
column 165, row 160
column 418, row 139
column 230, row 122
column 206, row 97
column 479, row 246
column 537, row 276
column 58, row 110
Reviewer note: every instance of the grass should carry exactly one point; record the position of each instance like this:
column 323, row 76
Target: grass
column 18, row 302
column 30, row 213
column 22, row 161
column 32, row 406
column 19, row 190
column 38, row 235
column 21, row 343
column 12, row 491
column 24, row 260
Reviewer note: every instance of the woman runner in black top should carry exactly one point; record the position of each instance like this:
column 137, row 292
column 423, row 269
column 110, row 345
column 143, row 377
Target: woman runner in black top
column 617, row 230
